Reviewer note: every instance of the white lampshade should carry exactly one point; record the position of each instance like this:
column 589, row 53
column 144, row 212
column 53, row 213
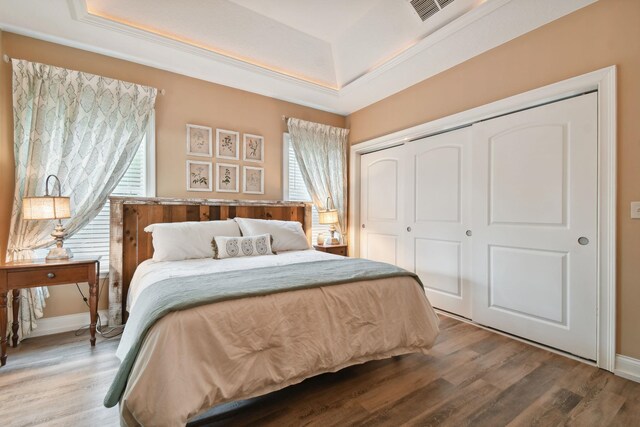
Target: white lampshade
column 46, row 207
column 329, row 216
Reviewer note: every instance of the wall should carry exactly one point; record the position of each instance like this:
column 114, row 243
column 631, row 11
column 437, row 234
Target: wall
column 603, row 34
column 187, row 100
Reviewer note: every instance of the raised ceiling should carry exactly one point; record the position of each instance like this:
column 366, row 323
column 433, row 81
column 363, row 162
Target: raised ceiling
column 327, row 42
column 336, row 55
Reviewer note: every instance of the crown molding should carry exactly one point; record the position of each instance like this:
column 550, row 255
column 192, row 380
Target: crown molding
column 80, row 13
column 489, row 25
column 427, row 42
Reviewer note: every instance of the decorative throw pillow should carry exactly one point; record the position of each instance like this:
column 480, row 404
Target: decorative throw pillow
column 287, row 235
column 230, row 247
column 176, row 241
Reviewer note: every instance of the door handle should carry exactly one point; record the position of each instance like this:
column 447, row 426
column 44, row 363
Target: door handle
column 363, row 226
column 583, row 241
column 468, row 233
column 409, row 229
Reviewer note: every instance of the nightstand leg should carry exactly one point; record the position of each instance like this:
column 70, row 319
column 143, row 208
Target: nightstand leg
column 3, row 328
column 93, row 309
column 15, row 305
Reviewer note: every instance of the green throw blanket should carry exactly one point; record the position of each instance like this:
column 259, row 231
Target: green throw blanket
column 181, row 293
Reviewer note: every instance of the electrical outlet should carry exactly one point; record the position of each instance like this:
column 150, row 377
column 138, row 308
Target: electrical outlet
column 635, row 210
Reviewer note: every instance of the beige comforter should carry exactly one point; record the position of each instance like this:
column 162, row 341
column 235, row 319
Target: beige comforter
column 194, row 359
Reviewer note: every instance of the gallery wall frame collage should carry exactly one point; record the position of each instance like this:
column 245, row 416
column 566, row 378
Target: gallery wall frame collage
column 201, row 174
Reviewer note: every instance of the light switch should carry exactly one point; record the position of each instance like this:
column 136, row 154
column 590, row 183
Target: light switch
column 635, row 210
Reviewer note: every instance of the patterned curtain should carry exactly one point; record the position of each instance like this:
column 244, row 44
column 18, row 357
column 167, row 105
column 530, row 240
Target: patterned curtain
column 321, row 151
column 81, row 127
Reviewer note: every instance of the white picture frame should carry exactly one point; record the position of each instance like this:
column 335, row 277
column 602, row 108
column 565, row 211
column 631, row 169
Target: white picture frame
column 227, row 144
column 252, row 180
column 227, row 178
column 199, row 141
column 252, row 148
column 199, row 175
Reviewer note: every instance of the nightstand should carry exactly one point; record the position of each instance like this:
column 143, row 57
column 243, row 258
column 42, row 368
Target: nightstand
column 38, row 272
column 333, row 249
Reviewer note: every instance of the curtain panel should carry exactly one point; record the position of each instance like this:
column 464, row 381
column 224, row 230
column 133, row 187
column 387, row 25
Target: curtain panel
column 321, row 151
column 81, row 127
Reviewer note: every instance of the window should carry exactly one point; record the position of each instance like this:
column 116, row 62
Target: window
column 294, row 187
column 138, row 180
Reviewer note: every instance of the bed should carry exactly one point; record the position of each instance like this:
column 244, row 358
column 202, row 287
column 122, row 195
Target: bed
column 202, row 332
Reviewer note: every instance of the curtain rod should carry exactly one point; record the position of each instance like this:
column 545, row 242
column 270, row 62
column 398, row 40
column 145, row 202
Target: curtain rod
column 6, row 58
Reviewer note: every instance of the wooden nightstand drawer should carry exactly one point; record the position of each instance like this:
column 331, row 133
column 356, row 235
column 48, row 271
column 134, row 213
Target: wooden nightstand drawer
column 334, row 249
column 54, row 275
column 338, row 251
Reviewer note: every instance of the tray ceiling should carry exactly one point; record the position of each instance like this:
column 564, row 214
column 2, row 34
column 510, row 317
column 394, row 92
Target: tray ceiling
column 327, row 42
column 336, row 55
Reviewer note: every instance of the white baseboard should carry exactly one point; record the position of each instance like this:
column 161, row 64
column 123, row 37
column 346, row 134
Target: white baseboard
column 627, row 367
column 70, row 322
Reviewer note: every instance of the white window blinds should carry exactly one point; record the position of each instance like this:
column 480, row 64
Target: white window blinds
column 295, row 188
column 93, row 238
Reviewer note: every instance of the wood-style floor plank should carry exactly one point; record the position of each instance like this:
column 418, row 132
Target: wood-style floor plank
column 471, row 377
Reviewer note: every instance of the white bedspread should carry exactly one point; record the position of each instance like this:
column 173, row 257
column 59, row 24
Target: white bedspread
column 151, row 272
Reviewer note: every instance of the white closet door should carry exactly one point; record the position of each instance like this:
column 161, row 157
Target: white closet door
column 381, row 205
column 438, row 215
column 534, row 227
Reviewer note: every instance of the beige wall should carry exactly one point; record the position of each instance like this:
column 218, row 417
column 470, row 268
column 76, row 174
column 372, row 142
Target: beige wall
column 603, row 34
column 597, row 36
column 187, row 100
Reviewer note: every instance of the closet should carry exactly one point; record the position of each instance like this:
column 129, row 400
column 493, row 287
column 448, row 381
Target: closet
column 499, row 220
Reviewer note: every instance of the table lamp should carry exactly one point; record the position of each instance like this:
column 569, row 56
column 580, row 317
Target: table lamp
column 330, row 216
column 50, row 207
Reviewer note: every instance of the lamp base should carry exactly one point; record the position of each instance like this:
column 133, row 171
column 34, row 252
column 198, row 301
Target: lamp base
column 333, row 238
column 331, row 241
column 59, row 253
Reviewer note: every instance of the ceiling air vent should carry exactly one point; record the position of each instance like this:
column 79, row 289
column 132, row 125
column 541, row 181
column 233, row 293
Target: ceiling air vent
column 427, row 8
column 444, row 3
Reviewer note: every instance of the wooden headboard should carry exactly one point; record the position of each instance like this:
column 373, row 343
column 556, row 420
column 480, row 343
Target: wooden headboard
column 130, row 245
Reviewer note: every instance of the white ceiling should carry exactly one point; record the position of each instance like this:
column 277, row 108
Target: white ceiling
column 327, row 42
column 324, row 19
column 336, row 55
column 225, row 27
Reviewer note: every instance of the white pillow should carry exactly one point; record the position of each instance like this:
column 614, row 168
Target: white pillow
column 231, row 247
column 287, row 235
column 175, row 241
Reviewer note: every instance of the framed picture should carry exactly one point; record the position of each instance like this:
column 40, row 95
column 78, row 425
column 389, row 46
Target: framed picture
column 199, row 141
column 227, row 144
column 253, row 180
column 253, row 150
column 199, row 176
column 227, row 178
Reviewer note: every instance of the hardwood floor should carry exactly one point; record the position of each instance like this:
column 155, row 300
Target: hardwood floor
column 472, row 377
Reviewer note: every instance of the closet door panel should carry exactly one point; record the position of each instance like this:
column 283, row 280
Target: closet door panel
column 535, row 194
column 437, row 262
column 535, row 224
column 382, row 247
column 437, row 247
column 381, row 205
column 382, row 190
column 437, row 177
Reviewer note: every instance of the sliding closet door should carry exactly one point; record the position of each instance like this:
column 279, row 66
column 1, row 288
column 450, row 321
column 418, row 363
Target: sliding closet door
column 438, row 216
column 534, row 228
column 381, row 205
